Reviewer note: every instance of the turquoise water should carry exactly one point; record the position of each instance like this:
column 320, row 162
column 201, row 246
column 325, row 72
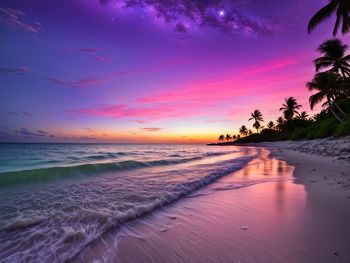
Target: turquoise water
column 55, row 199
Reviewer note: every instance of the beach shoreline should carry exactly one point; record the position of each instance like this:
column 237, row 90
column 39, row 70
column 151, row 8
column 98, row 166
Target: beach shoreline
column 303, row 218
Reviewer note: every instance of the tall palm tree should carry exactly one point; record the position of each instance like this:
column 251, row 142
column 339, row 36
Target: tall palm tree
column 221, row 137
column 271, row 125
column 326, row 85
column 243, row 130
column 228, row 137
column 290, row 108
column 333, row 51
column 257, row 117
column 342, row 10
column 303, row 115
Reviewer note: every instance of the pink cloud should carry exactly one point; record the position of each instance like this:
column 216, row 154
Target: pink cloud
column 100, row 80
column 229, row 86
column 144, row 112
column 152, row 129
column 273, row 65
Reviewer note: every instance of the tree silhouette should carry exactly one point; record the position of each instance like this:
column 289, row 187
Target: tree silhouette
column 326, row 85
column 280, row 122
column 271, row 125
column 290, row 108
column 334, row 57
column 257, row 117
column 342, row 10
column 243, row 130
column 303, row 115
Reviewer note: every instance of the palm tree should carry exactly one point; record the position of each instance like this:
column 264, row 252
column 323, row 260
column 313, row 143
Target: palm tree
column 234, row 137
column 221, row 137
column 250, row 132
column 303, row 115
column 228, row 137
column 333, row 51
column 270, row 125
column 257, row 117
column 342, row 10
column 326, row 85
column 280, row 122
column 290, row 108
column 243, row 130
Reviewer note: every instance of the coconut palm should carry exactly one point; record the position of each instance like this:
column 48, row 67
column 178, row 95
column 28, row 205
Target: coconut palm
column 334, row 58
column 234, row 137
column 280, row 122
column 250, row 132
column 243, row 130
column 257, row 117
column 290, row 108
column 228, row 137
column 326, row 85
column 303, row 115
column 271, row 125
column 342, row 10
column 221, row 137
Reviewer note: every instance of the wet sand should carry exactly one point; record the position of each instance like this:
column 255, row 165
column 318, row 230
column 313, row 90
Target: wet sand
column 301, row 214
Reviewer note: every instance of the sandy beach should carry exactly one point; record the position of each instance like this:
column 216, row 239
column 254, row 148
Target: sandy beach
column 302, row 215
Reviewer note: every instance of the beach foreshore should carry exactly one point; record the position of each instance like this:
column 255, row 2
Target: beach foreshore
column 302, row 216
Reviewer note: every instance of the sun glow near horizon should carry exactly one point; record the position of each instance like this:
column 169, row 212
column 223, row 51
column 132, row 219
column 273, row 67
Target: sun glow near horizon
column 175, row 82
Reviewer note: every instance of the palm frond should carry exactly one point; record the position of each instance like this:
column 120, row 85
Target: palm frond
column 321, row 15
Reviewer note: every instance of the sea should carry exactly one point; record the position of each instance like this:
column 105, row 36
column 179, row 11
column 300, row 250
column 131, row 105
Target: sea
column 55, row 199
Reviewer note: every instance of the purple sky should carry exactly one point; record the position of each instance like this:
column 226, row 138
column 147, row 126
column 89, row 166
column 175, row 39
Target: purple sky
column 150, row 71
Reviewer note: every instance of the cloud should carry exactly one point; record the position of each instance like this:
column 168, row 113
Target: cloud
column 101, row 58
column 90, row 52
column 14, row 71
column 146, row 112
column 12, row 113
column 12, row 18
column 86, row 138
column 85, row 50
column 42, row 132
column 26, row 132
column 28, row 114
column 80, row 84
column 200, row 97
column 88, row 129
column 224, row 15
column 207, row 90
column 151, row 129
column 139, row 121
column 180, row 27
column 100, row 80
column 18, row 113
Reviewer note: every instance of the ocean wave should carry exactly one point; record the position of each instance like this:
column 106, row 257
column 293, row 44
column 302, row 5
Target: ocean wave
column 43, row 175
column 63, row 235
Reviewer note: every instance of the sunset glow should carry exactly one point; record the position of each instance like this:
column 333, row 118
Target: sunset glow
column 102, row 71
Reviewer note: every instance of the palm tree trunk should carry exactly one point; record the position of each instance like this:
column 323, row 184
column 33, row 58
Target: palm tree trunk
column 333, row 112
column 340, row 110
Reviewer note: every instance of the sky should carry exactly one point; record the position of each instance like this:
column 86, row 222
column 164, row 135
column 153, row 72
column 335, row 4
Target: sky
column 149, row 70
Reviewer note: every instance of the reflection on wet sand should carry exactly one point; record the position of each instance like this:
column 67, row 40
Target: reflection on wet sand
column 239, row 224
